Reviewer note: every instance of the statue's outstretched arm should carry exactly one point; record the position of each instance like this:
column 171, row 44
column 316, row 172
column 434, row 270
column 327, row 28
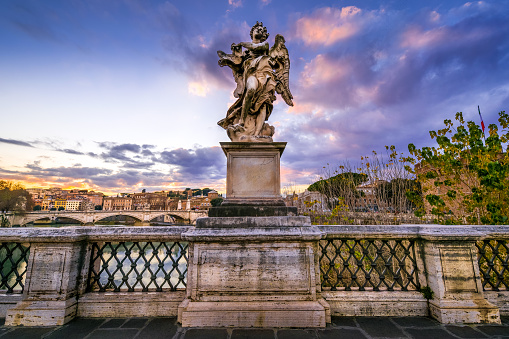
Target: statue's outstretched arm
column 260, row 47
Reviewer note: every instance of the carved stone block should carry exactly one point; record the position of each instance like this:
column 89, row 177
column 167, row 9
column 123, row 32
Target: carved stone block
column 254, row 277
column 453, row 276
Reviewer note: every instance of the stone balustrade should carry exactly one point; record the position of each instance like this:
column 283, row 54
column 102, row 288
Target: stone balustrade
column 51, row 275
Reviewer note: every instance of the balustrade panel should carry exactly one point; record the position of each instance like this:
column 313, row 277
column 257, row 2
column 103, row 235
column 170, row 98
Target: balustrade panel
column 138, row 266
column 368, row 264
column 493, row 258
column 13, row 266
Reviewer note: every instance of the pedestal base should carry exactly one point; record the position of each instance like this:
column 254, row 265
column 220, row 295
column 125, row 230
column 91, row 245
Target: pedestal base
column 252, row 211
column 42, row 313
column 253, row 272
column 252, row 314
column 464, row 311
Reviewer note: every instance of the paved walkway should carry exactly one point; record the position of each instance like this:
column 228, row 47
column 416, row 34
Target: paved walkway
column 348, row 328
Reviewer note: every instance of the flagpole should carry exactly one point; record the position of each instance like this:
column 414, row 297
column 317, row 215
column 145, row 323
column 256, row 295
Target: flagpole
column 482, row 122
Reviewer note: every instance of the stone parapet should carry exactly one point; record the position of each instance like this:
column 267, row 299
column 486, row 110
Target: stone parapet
column 255, row 263
column 91, row 233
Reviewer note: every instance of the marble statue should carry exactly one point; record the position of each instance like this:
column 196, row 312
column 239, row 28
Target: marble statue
column 259, row 72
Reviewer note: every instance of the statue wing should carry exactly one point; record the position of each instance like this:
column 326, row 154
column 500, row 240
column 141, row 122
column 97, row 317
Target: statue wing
column 281, row 65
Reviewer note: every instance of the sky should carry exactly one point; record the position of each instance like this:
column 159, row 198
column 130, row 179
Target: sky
column 125, row 95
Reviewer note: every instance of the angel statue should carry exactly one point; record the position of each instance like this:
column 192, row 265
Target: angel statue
column 258, row 72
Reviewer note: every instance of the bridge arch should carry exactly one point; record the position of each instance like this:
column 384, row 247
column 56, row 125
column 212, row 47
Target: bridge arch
column 32, row 218
column 117, row 213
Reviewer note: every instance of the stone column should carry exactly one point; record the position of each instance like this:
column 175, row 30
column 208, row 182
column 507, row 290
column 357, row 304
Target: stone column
column 56, row 273
column 453, row 275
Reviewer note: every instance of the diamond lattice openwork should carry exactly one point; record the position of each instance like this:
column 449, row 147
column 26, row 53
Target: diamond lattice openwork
column 359, row 264
column 13, row 266
column 493, row 257
column 138, row 266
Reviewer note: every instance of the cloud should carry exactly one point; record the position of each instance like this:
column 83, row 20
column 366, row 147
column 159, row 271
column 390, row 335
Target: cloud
column 202, row 163
column 131, row 166
column 198, row 88
column 70, row 151
column 399, row 78
column 235, row 3
column 194, row 54
column 128, row 154
column 322, row 70
column 16, row 142
column 328, row 25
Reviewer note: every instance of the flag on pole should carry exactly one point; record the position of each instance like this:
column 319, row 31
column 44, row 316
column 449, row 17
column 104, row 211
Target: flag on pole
column 482, row 122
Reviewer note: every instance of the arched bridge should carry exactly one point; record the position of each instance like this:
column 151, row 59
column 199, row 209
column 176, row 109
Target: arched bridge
column 91, row 217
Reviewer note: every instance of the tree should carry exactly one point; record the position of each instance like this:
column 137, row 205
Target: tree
column 61, row 208
column 98, row 207
column 216, row 202
column 395, row 194
column 37, row 208
column 342, row 185
column 14, row 198
column 465, row 177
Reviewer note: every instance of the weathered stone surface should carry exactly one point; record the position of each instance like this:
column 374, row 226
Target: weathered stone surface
column 253, row 277
column 51, row 286
column 252, row 172
column 499, row 299
column 253, row 222
column 253, row 314
column 366, row 303
column 245, row 235
column 453, row 276
column 41, row 313
column 8, row 301
column 91, row 233
column 253, row 272
column 130, row 304
column 448, row 252
column 252, row 211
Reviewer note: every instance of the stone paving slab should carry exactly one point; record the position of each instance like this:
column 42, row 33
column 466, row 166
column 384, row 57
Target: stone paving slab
column 341, row 327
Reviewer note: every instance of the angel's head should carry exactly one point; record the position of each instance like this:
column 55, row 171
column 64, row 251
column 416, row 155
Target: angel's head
column 259, row 32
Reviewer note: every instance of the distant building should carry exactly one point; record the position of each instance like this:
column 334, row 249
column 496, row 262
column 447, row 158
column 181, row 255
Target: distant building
column 200, row 203
column 117, row 203
column 74, row 205
column 368, row 200
column 60, row 204
column 150, row 201
column 213, row 195
column 308, row 201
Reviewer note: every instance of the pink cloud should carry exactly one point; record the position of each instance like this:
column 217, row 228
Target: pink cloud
column 328, row 25
column 322, row 69
column 417, row 38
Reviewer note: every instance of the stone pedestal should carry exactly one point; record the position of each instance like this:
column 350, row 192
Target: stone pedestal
column 51, row 288
column 253, row 181
column 453, row 276
column 253, row 272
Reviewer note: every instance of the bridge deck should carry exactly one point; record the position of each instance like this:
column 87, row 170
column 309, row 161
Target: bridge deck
column 341, row 327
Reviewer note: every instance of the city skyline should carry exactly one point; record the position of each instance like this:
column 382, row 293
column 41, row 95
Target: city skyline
column 125, row 95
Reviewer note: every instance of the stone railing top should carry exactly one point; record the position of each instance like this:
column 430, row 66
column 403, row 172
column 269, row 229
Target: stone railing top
column 303, row 232
column 416, row 231
column 93, row 233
